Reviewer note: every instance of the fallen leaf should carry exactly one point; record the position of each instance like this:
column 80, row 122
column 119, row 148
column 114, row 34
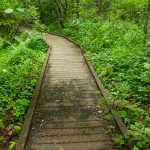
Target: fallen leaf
column 10, row 133
column 100, row 111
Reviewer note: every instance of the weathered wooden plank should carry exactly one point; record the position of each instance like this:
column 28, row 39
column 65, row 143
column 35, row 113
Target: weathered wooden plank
column 69, row 139
column 60, row 132
column 74, row 146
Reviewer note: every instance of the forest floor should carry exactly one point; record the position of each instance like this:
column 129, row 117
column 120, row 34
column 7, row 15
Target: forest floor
column 68, row 114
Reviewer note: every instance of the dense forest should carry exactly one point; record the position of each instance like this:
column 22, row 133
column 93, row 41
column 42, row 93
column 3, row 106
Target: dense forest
column 116, row 37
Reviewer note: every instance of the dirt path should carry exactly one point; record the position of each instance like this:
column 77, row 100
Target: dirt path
column 66, row 116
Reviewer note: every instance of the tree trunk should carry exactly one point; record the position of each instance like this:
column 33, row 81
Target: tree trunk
column 66, row 7
column 99, row 6
column 77, row 8
column 146, row 18
column 60, row 13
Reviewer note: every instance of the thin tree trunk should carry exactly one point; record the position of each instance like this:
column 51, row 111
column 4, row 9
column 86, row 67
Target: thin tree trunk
column 99, row 6
column 66, row 8
column 60, row 13
column 77, row 8
column 146, row 18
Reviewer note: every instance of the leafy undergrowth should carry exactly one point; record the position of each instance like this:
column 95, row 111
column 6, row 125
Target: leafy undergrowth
column 115, row 48
column 20, row 63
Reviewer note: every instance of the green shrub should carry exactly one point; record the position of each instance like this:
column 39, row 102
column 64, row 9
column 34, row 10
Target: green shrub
column 20, row 65
column 14, row 15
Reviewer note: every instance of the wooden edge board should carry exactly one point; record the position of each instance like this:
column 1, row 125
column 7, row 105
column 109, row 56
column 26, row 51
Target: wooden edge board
column 28, row 118
column 105, row 93
column 122, row 127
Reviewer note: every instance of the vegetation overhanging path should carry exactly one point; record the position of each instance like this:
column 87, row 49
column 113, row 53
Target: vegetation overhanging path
column 66, row 116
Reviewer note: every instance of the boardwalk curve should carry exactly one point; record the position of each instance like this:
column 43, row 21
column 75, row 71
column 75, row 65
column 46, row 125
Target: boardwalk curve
column 66, row 115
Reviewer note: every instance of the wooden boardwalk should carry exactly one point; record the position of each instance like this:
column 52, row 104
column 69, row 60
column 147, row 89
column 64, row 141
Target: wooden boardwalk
column 66, row 115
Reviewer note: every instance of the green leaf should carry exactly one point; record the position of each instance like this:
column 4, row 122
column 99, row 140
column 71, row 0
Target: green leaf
column 12, row 145
column 141, row 144
column 135, row 148
column 146, row 65
column 9, row 11
column 20, row 9
column 147, row 131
